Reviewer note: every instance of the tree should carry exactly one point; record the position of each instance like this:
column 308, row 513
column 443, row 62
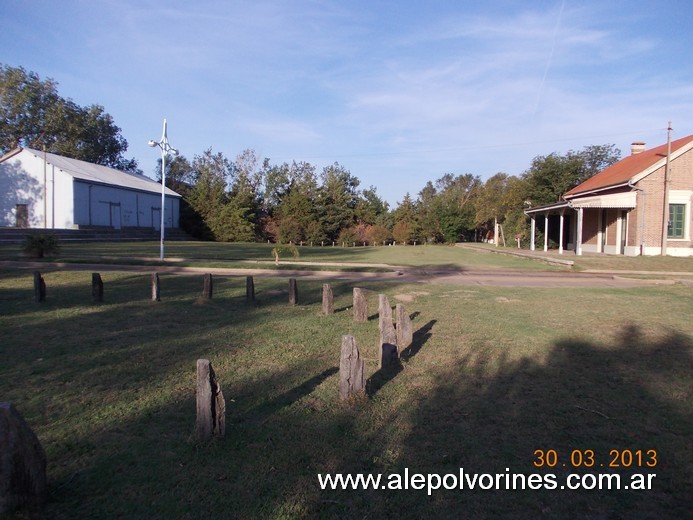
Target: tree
column 404, row 228
column 550, row 176
column 180, row 176
column 208, row 195
column 337, row 200
column 445, row 212
column 244, row 198
column 32, row 114
column 291, row 192
column 370, row 208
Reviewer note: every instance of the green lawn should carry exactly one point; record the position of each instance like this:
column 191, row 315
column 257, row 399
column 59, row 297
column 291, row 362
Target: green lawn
column 208, row 253
column 494, row 374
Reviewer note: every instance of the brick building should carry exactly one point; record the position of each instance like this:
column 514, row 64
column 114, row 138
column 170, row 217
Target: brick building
column 628, row 208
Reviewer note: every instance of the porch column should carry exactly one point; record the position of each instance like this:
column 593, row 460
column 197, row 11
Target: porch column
column 546, row 231
column 578, row 238
column 533, row 235
column 560, row 239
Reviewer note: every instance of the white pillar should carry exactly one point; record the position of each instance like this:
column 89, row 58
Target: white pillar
column 578, row 237
column 495, row 231
column 546, row 231
column 532, row 237
column 560, row 239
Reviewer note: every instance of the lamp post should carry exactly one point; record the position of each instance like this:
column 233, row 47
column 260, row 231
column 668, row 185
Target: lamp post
column 165, row 149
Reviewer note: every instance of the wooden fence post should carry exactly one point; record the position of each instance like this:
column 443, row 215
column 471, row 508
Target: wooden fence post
column 352, row 372
column 211, row 407
column 156, row 288
column 293, row 291
column 327, row 299
column 207, row 287
column 389, row 355
column 39, row 288
column 249, row 288
column 96, row 288
column 360, row 305
column 22, row 463
column 405, row 333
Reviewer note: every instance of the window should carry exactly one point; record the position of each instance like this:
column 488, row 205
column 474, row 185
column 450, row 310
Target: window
column 677, row 214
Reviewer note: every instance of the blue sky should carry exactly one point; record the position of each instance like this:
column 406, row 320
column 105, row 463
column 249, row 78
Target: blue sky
column 398, row 92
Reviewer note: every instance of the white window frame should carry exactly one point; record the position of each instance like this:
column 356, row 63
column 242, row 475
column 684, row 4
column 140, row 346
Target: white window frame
column 682, row 197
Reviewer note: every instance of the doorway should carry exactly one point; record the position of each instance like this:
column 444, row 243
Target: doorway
column 22, row 213
column 115, row 215
column 156, row 219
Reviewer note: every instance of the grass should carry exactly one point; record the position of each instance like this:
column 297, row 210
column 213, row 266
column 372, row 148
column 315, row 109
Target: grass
column 609, row 262
column 205, row 253
column 494, row 374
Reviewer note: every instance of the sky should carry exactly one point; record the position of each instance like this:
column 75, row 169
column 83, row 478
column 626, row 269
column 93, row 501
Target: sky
column 397, row 92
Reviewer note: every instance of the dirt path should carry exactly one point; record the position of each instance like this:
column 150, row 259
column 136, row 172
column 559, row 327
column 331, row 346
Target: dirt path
column 463, row 276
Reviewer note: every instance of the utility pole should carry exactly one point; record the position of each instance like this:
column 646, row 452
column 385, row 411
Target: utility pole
column 665, row 209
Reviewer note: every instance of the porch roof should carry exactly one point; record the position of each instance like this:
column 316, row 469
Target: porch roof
column 548, row 208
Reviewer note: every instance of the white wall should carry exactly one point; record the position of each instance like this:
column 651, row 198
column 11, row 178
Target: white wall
column 70, row 202
column 21, row 182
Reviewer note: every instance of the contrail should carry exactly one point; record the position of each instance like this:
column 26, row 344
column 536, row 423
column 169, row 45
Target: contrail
column 548, row 62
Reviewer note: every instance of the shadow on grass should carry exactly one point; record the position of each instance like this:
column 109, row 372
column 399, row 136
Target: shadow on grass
column 384, row 375
column 128, row 439
column 263, row 411
column 421, row 336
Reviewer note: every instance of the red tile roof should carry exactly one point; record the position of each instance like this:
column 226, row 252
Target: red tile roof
column 626, row 169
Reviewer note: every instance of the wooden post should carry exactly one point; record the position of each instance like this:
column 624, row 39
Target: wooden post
column 327, row 299
column 389, row 355
column 96, row 288
column 22, row 463
column 39, row 288
column 360, row 305
column 249, row 288
column 352, row 372
column 293, row 291
column 384, row 311
column 405, row 334
column 207, row 287
column 211, row 407
column 156, row 289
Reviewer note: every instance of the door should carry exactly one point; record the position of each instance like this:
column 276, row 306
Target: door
column 22, row 213
column 115, row 216
column 156, row 219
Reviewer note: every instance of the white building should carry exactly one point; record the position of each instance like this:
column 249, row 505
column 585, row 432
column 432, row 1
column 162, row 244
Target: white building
column 44, row 190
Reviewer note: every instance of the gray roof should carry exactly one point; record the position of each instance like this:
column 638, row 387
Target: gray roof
column 96, row 173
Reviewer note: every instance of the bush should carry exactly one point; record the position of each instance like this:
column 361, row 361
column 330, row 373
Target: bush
column 38, row 246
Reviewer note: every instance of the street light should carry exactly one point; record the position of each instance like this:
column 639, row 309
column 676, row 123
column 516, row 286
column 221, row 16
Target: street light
column 165, row 149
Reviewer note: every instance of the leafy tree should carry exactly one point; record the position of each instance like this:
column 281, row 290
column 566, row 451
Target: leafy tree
column 289, row 230
column 377, row 234
column 445, row 210
column 550, row 176
column 33, row 114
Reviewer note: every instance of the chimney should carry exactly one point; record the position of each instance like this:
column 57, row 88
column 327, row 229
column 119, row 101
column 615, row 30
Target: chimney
column 637, row 147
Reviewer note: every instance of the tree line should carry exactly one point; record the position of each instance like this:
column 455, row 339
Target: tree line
column 251, row 199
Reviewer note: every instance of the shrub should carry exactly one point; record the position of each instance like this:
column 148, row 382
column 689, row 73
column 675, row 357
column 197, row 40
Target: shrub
column 38, row 246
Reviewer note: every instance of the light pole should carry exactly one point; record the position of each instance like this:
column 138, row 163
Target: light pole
column 165, row 148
